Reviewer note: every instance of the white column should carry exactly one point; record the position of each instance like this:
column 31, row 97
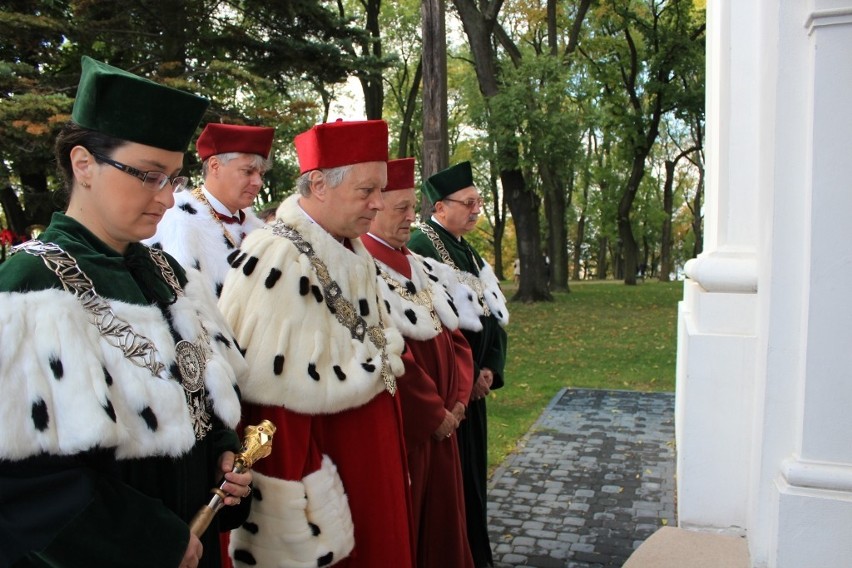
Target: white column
column 814, row 484
column 764, row 375
column 717, row 317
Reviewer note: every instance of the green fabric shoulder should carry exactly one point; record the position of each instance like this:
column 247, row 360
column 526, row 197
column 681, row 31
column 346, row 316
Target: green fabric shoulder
column 420, row 243
column 26, row 273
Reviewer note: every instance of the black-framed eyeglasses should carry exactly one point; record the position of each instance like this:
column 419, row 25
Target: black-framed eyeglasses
column 469, row 203
column 152, row 181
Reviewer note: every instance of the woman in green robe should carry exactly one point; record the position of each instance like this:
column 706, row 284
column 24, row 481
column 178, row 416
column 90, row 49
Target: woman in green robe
column 119, row 376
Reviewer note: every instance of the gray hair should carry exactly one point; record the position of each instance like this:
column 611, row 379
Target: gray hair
column 332, row 176
column 262, row 164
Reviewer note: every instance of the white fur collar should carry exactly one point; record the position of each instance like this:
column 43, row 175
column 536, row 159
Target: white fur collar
column 414, row 317
column 66, row 390
column 493, row 294
column 300, row 356
column 189, row 232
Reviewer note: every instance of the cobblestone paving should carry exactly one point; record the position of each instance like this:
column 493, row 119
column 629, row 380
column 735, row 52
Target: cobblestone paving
column 591, row 481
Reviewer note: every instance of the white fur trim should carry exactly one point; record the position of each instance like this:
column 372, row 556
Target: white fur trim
column 493, row 294
column 464, row 297
column 403, row 310
column 43, row 331
column 296, row 523
column 300, row 356
column 196, row 240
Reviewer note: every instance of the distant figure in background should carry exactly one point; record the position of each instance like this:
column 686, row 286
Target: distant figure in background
column 516, row 270
column 457, row 205
column 208, row 223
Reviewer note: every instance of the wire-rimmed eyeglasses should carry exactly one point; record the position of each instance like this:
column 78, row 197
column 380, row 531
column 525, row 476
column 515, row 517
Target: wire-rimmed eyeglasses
column 469, row 203
column 152, row 181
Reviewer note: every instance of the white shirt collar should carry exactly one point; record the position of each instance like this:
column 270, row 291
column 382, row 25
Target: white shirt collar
column 384, row 242
column 446, row 229
column 216, row 204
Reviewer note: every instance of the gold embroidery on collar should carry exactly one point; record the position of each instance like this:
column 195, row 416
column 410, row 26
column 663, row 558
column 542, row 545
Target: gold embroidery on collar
column 198, row 193
column 421, row 297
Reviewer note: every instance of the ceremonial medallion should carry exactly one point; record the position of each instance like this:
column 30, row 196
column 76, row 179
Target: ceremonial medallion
column 191, row 360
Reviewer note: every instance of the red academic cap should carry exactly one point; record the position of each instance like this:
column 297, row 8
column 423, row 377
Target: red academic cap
column 400, row 174
column 342, row 143
column 219, row 138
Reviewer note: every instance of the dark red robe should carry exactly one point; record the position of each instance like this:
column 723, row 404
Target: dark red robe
column 438, row 373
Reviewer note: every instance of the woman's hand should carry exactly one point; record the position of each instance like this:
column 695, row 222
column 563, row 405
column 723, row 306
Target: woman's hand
column 193, row 553
column 237, row 485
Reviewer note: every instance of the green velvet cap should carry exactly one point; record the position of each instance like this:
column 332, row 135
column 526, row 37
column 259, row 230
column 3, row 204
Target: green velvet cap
column 447, row 182
column 120, row 104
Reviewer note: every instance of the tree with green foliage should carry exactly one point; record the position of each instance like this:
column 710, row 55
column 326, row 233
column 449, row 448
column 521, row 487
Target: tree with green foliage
column 484, row 33
column 260, row 62
column 638, row 55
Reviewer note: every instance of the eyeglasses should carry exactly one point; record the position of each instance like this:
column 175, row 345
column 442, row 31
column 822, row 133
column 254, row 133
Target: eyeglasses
column 469, row 203
column 152, row 181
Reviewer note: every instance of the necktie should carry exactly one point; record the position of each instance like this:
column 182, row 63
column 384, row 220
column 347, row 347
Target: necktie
column 230, row 219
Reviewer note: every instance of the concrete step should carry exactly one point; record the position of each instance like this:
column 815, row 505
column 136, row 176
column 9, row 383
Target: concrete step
column 671, row 547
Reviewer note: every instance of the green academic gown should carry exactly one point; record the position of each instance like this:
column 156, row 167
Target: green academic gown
column 100, row 460
column 489, row 351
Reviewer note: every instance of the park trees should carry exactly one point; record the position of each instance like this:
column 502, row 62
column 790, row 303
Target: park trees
column 641, row 56
column 259, row 61
column 583, row 119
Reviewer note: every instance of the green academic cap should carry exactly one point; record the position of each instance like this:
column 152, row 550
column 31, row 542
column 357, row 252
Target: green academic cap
column 447, row 182
column 122, row 105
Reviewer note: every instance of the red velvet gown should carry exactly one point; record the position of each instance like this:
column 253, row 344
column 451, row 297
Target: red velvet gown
column 438, row 373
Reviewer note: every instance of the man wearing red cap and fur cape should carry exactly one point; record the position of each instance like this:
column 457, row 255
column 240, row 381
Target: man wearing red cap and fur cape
column 207, row 225
column 435, row 388
column 303, row 299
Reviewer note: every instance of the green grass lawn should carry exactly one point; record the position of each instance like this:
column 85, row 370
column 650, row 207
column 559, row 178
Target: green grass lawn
column 601, row 335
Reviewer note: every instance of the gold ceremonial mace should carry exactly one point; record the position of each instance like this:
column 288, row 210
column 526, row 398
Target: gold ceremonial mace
column 257, row 444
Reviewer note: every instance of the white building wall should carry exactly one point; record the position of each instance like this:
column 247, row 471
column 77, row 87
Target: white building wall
column 764, row 393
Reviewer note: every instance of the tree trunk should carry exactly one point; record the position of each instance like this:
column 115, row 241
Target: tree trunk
column 408, row 113
column 697, row 225
column 578, row 245
column 601, row 268
column 499, row 221
column 371, row 81
column 666, row 238
column 629, row 247
column 436, row 152
column 525, row 212
column 557, row 199
column 15, row 216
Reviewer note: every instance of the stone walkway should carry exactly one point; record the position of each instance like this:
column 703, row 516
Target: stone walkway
column 592, row 479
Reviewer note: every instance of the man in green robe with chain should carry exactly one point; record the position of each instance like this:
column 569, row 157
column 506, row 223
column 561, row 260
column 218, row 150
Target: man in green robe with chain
column 456, row 207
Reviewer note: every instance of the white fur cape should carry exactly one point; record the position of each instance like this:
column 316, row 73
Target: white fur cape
column 464, row 297
column 299, row 355
column 66, row 390
column 189, row 232
column 414, row 320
